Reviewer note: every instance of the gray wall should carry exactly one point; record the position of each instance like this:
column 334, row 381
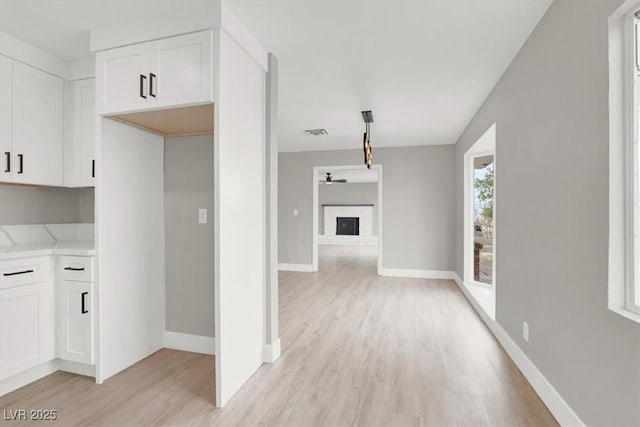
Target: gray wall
column 366, row 193
column 21, row 204
column 418, row 213
column 551, row 109
column 188, row 184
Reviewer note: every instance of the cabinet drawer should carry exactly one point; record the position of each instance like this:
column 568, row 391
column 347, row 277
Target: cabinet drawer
column 76, row 268
column 23, row 271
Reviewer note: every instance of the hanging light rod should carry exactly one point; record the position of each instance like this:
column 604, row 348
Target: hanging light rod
column 367, row 116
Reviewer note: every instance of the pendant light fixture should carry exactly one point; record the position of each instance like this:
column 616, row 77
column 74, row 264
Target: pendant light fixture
column 367, row 116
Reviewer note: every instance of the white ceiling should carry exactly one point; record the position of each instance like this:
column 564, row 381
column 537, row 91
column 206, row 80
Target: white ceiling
column 423, row 66
column 62, row 26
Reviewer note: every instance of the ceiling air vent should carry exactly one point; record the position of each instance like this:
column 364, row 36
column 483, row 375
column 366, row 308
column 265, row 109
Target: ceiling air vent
column 316, row 132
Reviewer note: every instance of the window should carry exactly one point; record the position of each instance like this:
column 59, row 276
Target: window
column 483, row 221
column 479, row 259
column 624, row 161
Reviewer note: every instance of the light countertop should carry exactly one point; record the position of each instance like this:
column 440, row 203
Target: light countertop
column 68, row 247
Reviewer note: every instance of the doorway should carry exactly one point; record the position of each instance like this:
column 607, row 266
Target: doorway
column 347, row 215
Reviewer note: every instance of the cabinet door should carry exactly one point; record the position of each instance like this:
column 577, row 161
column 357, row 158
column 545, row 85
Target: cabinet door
column 37, row 127
column 182, row 70
column 76, row 322
column 122, row 79
column 6, row 79
column 80, row 149
column 27, row 331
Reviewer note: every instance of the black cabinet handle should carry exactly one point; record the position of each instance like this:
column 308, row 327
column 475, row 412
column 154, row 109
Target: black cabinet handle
column 151, row 78
column 142, row 79
column 17, row 272
column 74, row 268
column 8, row 155
column 20, row 163
column 93, row 168
column 83, row 309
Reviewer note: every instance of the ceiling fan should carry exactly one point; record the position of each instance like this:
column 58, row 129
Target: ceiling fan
column 330, row 180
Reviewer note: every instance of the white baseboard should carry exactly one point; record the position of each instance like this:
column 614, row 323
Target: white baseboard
column 271, row 352
column 77, row 368
column 549, row 395
column 19, row 380
column 417, row 274
column 188, row 342
column 307, row 268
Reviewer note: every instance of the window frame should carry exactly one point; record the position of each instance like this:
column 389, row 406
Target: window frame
column 623, row 296
column 632, row 187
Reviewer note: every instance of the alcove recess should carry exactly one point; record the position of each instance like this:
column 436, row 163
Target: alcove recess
column 183, row 121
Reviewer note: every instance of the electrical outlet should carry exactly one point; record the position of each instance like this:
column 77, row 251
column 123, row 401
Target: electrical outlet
column 202, row 216
column 525, row 331
column 295, row 212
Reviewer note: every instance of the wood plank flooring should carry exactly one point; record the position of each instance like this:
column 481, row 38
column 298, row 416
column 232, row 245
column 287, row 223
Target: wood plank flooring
column 358, row 350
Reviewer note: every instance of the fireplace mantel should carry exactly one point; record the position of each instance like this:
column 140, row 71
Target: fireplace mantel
column 349, row 204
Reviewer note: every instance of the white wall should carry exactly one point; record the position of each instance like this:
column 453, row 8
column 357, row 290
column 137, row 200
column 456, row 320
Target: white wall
column 240, row 224
column 130, row 244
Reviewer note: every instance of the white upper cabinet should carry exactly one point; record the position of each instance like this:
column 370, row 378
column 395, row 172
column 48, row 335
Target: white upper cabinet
column 79, row 150
column 6, row 79
column 164, row 73
column 37, row 118
column 122, row 79
column 181, row 70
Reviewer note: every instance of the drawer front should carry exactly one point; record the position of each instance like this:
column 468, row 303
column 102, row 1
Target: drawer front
column 24, row 271
column 76, row 268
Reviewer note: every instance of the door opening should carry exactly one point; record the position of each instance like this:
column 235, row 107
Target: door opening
column 347, row 215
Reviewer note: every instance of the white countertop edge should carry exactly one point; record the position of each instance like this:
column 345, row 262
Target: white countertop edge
column 71, row 248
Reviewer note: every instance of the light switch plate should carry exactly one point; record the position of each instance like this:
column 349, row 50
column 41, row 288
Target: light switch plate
column 202, row 216
column 295, row 212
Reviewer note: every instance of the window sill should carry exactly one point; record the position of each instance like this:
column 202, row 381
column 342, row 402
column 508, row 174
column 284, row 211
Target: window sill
column 484, row 296
column 634, row 317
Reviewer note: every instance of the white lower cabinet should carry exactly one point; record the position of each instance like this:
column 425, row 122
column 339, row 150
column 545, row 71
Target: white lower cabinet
column 45, row 314
column 27, row 315
column 76, row 322
column 76, row 316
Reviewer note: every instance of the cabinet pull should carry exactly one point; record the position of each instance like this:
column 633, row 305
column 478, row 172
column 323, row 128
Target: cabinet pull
column 93, row 168
column 8, row 155
column 83, row 309
column 20, row 163
column 74, row 268
column 151, row 78
column 142, row 79
column 17, row 272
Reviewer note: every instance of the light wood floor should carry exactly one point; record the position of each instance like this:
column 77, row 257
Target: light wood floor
column 358, row 349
